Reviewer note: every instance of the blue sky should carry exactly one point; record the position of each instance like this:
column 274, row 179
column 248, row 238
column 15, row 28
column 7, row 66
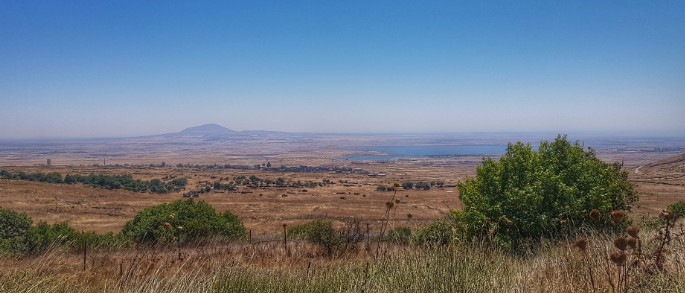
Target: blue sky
column 120, row 68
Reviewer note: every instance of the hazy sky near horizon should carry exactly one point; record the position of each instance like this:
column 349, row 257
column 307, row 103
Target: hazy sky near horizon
column 124, row 68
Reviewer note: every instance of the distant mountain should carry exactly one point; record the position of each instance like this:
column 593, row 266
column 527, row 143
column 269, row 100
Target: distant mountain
column 218, row 132
column 207, row 130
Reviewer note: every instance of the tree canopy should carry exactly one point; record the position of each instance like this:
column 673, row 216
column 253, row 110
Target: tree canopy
column 528, row 194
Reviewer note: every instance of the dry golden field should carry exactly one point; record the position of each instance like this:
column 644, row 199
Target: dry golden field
column 660, row 182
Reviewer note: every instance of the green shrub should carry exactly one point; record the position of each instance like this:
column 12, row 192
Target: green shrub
column 319, row 232
column 13, row 229
column 529, row 195
column 13, row 224
column 182, row 222
column 443, row 231
column 101, row 241
column 678, row 209
column 400, row 235
column 43, row 236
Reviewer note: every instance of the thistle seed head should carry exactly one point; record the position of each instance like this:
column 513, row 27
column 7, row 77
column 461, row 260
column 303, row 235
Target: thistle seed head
column 621, row 243
column 633, row 231
column 594, row 215
column 666, row 215
column 632, row 242
column 618, row 258
column 581, row 243
column 617, row 216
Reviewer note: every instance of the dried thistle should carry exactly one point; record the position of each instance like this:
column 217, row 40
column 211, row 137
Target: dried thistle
column 389, row 204
column 666, row 215
column 581, row 243
column 617, row 216
column 618, row 258
column 409, row 216
column 632, row 242
column 397, row 201
column 621, row 243
column 633, row 231
column 594, row 215
column 505, row 221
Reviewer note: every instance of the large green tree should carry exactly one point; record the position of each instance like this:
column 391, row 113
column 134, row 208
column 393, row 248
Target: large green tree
column 529, row 195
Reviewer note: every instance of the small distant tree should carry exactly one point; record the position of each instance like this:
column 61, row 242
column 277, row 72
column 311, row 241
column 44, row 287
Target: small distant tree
column 408, row 185
column 423, row 185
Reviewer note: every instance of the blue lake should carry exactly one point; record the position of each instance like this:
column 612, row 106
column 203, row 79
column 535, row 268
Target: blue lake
column 382, row 153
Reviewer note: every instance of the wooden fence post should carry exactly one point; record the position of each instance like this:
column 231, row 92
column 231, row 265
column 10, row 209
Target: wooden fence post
column 85, row 252
column 285, row 237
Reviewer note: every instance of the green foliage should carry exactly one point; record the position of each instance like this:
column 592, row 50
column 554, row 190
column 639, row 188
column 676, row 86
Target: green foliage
column 529, row 195
column 443, row 231
column 44, row 235
column 101, row 241
column 408, row 185
column 400, row 235
column 13, row 224
column 678, row 209
column 423, row 185
column 52, row 177
column 13, row 229
column 319, row 232
column 182, row 222
column 125, row 182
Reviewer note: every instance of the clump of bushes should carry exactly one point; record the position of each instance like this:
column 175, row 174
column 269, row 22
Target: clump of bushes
column 51, row 177
column 125, row 182
column 18, row 235
column 182, row 222
column 179, row 222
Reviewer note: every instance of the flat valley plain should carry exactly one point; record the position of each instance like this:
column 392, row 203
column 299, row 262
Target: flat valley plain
column 655, row 165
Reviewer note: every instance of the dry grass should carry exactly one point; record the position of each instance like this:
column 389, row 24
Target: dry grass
column 269, row 267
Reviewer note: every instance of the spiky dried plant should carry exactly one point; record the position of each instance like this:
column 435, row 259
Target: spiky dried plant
column 581, row 243
column 618, row 258
column 595, row 215
column 631, row 242
column 617, row 216
column 621, row 243
column 633, row 231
